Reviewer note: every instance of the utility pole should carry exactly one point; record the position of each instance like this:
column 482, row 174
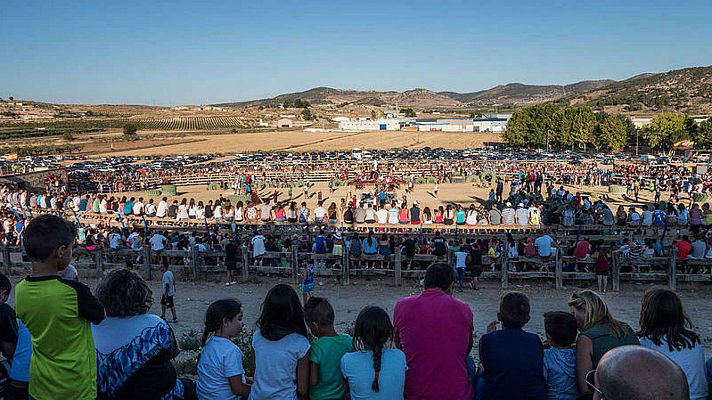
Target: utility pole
column 636, row 142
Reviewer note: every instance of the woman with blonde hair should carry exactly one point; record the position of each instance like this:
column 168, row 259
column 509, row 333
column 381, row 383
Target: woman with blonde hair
column 599, row 333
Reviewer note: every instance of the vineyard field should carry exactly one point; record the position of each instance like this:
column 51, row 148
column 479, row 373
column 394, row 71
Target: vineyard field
column 172, row 123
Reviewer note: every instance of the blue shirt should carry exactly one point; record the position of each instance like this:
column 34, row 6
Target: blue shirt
column 370, row 248
column 513, row 362
column 83, row 205
column 460, row 216
column 560, row 374
column 128, row 207
column 20, row 370
column 358, row 370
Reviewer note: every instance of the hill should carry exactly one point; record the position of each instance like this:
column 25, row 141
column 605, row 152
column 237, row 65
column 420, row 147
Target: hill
column 325, row 95
column 514, row 94
column 685, row 90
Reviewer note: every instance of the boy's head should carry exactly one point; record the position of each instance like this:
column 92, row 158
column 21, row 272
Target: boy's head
column 48, row 239
column 5, row 288
column 318, row 314
column 560, row 328
column 439, row 276
column 514, row 310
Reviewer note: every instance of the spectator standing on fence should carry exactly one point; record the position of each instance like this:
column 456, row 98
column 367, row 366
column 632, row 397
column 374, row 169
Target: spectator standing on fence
column 58, row 314
column 168, row 292
column 665, row 327
column 435, row 316
column 599, row 333
column 258, row 247
column 461, row 265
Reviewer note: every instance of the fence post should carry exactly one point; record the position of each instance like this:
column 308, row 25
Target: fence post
column 295, row 264
column 5, row 259
column 245, row 263
column 99, row 254
column 147, row 261
column 347, row 266
column 194, row 262
column 616, row 272
column 505, row 267
column 558, row 270
column 398, row 265
column 672, row 275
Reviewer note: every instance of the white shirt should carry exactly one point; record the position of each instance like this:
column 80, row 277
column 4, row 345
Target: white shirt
column 157, row 242
column 114, row 240
column 220, row 359
column 161, row 209
column 382, row 216
column 150, row 208
column 691, row 361
column 258, row 246
column 168, row 280
column 276, row 366
column 319, row 212
column 137, row 208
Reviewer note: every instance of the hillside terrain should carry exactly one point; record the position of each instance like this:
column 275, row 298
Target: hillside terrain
column 688, row 90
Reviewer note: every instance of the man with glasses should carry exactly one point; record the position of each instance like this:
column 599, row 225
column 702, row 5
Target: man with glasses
column 637, row 373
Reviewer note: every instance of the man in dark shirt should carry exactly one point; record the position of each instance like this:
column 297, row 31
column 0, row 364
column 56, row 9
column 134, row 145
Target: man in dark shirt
column 230, row 261
column 409, row 248
column 8, row 321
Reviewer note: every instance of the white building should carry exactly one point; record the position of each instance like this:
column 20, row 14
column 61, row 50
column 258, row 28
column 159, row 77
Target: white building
column 381, row 124
column 489, row 124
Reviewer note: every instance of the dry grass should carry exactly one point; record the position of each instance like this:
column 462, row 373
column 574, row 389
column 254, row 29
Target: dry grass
column 307, row 141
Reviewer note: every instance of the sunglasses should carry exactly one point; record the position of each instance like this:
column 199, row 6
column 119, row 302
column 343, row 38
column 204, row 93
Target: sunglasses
column 591, row 383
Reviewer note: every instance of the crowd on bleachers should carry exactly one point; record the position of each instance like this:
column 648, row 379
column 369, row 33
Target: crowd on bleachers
column 60, row 341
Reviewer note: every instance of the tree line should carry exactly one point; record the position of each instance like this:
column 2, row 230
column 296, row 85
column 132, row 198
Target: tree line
column 579, row 127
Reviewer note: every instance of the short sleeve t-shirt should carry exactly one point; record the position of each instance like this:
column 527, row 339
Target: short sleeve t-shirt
column 168, row 280
column 58, row 313
column 8, row 324
column 358, row 370
column 460, row 258
column 157, row 242
column 220, row 359
column 543, row 245
column 327, row 351
column 276, row 366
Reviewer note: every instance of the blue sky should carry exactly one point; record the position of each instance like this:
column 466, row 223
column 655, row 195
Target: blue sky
column 198, row 52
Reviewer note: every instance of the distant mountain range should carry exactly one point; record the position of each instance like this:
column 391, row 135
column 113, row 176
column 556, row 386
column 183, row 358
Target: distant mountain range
column 688, row 89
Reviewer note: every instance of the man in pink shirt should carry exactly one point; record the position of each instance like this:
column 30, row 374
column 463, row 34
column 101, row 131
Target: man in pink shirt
column 435, row 331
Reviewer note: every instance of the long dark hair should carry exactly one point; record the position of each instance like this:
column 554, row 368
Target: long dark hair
column 372, row 331
column 282, row 314
column 662, row 316
column 216, row 313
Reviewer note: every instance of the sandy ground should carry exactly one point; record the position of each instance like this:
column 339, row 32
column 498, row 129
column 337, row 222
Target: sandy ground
column 458, row 193
column 298, row 140
column 193, row 299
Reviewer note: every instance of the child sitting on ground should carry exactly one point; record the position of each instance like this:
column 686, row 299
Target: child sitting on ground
column 281, row 348
column 220, row 371
column 374, row 371
column 512, row 359
column 560, row 359
column 325, row 377
column 57, row 313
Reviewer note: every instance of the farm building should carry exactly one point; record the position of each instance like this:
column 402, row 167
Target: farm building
column 284, row 123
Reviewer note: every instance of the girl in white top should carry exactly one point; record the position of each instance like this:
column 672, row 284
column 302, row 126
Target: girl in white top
column 471, row 218
column 183, row 210
column 229, row 213
column 393, row 214
column 280, row 347
column 192, row 209
column 239, row 212
column 217, row 212
column 220, row 371
column 200, row 211
column 665, row 327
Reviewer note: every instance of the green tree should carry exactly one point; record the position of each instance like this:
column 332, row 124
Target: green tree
column 666, row 129
column 611, row 132
column 703, row 135
column 409, row 113
column 68, row 136
column 307, row 114
column 577, row 127
column 130, row 130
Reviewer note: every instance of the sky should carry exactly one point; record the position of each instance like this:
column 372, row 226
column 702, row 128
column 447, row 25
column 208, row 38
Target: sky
column 174, row 52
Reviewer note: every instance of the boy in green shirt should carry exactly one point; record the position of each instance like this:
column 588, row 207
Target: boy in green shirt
column 57, row 313
column 325, row 379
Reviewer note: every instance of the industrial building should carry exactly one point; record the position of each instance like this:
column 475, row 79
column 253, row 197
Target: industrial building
column 491, row 123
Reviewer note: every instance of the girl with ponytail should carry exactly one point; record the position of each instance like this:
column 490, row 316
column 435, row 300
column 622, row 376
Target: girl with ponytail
column 220, row 371
column 374, row 371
